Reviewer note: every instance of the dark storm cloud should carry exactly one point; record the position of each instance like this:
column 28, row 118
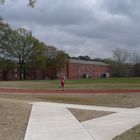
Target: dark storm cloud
column 80, row 27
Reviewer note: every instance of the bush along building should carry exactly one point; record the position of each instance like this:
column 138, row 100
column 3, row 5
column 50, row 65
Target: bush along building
column 74, row 69
column 27, row 74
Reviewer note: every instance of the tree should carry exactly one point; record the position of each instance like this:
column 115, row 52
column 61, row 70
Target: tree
column 135, row 58
column 20, row 46
column 38, row 58
column 120, row 56
column 61, row 60
column 55, row 59
column 84, row 57
column 137, row 70
column 31, row 3
column 50, row 52
column 5, row 30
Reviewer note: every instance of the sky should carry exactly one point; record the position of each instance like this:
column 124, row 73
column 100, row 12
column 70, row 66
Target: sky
column 79, row 27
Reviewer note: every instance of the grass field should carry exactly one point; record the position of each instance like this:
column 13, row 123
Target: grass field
column 110, row 83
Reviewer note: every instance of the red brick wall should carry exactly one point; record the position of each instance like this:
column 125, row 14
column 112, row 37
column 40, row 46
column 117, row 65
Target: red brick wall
column 71, row 71
column 51, row 73
column 75, row 71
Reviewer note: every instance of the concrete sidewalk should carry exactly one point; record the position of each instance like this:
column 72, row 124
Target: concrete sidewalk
column 107, row 127
column 53, row 121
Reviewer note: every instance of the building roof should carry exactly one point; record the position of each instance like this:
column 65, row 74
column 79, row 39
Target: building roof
column 87, row 62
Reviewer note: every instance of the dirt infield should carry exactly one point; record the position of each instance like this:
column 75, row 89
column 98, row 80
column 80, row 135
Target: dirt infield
column 68, row 91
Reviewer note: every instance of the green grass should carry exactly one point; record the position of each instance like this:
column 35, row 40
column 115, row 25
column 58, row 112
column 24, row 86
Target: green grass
column 110, row 83
column 108, row 80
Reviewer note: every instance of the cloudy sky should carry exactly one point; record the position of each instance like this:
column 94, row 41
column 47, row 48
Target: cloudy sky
column 80, row 27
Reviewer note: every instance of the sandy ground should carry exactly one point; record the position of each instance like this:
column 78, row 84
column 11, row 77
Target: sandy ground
column 13, row 119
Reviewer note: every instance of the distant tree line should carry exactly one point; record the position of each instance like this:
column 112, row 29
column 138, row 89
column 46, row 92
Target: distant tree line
column 19, row 48
column 126, row 63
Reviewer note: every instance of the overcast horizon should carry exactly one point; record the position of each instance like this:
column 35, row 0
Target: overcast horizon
column 79, row 27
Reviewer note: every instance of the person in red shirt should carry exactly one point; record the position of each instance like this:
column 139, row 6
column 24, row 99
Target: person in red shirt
column 62, row 82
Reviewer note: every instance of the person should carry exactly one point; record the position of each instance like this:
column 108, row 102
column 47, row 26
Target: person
column 62, row 82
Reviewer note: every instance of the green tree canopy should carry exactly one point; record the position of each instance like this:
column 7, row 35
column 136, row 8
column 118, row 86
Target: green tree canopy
column 55, row 59
column 22, row 47
column 5, row 30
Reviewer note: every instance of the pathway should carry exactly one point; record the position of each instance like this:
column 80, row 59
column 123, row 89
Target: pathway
column 53, row 121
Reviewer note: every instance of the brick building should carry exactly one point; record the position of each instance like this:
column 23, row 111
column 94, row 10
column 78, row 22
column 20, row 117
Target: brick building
column 74, row 69
column 86, row 69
